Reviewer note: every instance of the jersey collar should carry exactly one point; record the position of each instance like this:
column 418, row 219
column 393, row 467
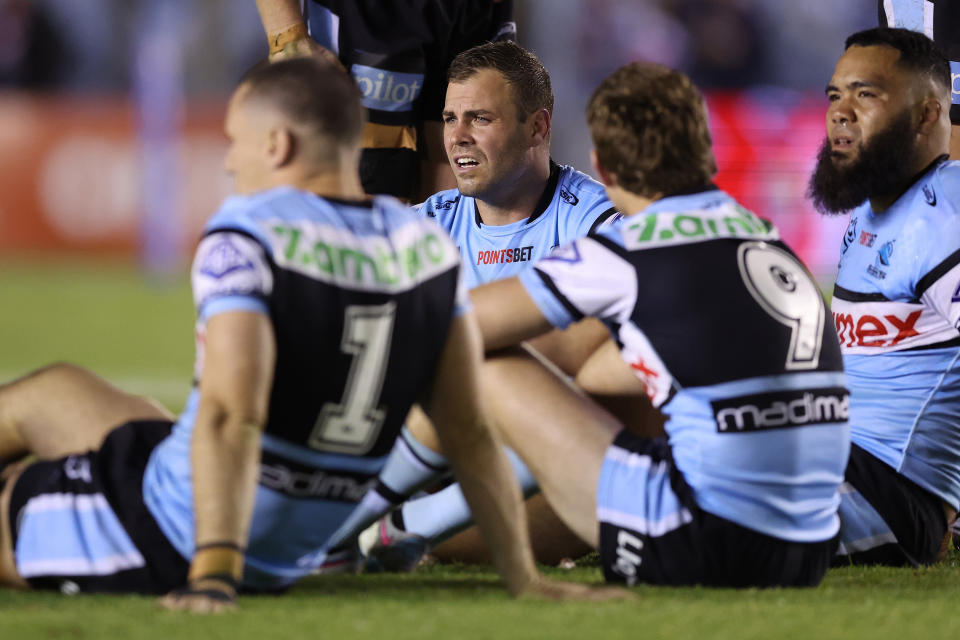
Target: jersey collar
column 545, row 198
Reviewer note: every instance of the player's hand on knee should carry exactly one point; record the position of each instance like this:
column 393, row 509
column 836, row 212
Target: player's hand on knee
column 210, row 594
column 547, row 589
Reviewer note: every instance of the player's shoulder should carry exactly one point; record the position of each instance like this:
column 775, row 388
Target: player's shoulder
column 945, row 179
column 577, row 189
column 242, row 211
column 441, row 205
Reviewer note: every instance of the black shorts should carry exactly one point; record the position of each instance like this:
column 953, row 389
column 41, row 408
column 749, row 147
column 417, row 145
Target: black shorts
column 81, row 520
column 885, row 517
column 698, row 547
column 399, row 52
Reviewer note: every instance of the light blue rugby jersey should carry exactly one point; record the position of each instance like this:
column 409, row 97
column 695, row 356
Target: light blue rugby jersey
column 304, row 492
column 896, row 306
column 572, row 205
column 756, row 404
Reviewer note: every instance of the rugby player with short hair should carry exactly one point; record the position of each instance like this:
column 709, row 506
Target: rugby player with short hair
column 513, row 204
column 732, row 339
column 322, row 316
column 895, row 304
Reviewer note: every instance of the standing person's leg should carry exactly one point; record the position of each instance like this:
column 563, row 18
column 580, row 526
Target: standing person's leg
column 63, row 409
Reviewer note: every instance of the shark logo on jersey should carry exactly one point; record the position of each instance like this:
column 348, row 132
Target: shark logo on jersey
column 568, row 197
column 885, row 253
column 850, row 235
column 929, row 195
column 223, row 259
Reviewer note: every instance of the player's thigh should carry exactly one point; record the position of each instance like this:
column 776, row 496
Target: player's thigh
column 550, row 538
column 613, row 385
column 8, row 568
column 65, row 409
column 559, row 433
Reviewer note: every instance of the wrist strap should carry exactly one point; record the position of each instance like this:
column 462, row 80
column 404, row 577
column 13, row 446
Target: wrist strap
column 219, row 544
column 281, row 39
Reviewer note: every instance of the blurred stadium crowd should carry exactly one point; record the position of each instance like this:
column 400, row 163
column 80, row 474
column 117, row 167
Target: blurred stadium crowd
column 131, row 94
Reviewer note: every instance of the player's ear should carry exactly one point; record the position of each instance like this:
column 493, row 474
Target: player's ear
column 540, row 124
column 930, row 112
column 280, row 146
column 606, row 177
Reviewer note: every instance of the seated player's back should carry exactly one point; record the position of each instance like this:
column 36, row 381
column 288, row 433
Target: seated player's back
column 360, row 296
column 733, row 341
column 572, row 205
column 896, row 306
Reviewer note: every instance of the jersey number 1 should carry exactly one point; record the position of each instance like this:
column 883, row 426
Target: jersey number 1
column 353, row 424
column 784, row 289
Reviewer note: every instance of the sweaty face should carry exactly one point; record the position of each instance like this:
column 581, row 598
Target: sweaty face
column 871, row 134
column 485, row 141
column 246, row 161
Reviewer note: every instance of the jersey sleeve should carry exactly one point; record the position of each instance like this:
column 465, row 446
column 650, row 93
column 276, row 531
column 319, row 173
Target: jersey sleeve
column 599, row 214
column 230, row 273
column 583, row 278
column 940, row 289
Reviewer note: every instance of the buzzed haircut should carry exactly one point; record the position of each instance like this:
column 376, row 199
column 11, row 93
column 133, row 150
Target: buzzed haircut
column 522, row 70
column 649, row 128
column 918, row 53
column 311, row 94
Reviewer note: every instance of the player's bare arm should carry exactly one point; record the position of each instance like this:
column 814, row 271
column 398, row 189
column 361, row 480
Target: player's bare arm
column 235, row 388
column 499, row 329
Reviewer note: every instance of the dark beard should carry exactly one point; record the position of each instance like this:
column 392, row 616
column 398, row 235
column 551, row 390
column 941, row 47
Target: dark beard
column 883, row 167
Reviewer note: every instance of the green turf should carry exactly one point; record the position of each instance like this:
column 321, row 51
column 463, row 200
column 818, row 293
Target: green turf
column 467, row 602
column 106, row 317
column 103, row 315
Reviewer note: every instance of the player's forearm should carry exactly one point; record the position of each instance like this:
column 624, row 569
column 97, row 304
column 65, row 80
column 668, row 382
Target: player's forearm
column 491, row 490
column 500, row 329
column 225, row 460
column 278, row 16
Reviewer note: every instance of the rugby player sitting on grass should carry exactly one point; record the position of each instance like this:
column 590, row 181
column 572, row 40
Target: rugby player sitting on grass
column 730, row 335
column 322, row 316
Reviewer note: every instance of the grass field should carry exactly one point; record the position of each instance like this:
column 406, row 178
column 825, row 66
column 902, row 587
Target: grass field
column 106, row 317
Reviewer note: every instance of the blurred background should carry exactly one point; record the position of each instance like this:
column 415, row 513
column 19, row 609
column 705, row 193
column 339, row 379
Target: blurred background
column 111, row 146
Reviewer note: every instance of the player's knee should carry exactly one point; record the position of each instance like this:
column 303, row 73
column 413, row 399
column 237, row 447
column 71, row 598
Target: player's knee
column 8, row 568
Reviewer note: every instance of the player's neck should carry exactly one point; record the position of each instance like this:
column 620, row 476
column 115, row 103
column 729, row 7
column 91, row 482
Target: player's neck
column 627, row 202
column 514, row 199
column 881, row 203
column 337, row 182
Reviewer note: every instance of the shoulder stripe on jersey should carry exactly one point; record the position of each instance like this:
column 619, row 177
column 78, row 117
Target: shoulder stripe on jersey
column 608, row 244
column 606, row 215
column 955, row 342
column 855, row 296
column 937, row 272
column 572, row 310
